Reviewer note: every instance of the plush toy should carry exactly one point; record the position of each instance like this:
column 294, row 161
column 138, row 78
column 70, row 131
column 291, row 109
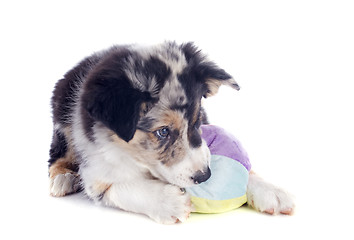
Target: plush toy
column 226, row 189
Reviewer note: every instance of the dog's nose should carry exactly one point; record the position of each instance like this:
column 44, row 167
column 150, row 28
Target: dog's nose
column 200, row 176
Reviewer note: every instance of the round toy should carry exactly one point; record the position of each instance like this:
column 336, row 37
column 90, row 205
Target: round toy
column 226, row 189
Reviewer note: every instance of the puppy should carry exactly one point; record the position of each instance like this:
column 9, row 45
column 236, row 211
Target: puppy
column 127, row 131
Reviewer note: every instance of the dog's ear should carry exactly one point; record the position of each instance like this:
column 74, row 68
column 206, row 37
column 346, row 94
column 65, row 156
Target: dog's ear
column 215, row 77
column 116, row 104
column 207, row 70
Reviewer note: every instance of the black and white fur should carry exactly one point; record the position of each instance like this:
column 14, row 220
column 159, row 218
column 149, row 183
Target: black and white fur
column 126, row 131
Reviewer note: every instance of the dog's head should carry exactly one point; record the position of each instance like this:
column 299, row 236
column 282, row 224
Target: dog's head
column 150, row 99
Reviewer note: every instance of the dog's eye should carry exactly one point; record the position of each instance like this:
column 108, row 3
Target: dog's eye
column 162, row 133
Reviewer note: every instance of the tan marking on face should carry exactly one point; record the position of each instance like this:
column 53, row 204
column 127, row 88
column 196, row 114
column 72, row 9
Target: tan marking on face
column 171, row 119
column 144, row 146
column 177, row 150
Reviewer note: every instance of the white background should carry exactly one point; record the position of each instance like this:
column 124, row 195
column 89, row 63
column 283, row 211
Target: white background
column 294, row 114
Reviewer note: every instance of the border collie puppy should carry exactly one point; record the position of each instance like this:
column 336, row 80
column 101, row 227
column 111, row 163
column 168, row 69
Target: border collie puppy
column 126, row 131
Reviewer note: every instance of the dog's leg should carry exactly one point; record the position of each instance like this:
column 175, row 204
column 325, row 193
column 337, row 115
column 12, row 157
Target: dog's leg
column 265, row 197
column 162, row 202
column 63, row 175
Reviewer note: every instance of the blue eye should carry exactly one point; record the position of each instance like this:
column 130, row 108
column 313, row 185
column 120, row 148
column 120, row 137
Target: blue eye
column 162, row 133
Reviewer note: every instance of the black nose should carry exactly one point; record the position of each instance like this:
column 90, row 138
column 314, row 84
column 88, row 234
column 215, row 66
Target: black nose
column 200, row 176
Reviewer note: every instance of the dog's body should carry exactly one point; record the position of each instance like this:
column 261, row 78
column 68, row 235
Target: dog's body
column 126, row 130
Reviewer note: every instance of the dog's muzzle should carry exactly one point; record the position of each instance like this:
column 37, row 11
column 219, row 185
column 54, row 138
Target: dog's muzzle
column 201, row 176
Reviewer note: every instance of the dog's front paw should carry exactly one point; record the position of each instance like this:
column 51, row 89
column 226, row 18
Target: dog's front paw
column 175, row 206
column 268, row 198
column 64, row 184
